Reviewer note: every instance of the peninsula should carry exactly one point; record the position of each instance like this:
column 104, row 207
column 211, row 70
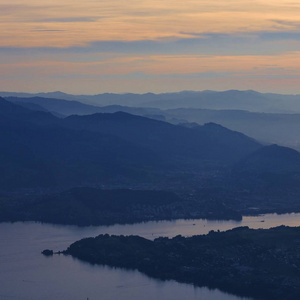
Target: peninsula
column 263, row 264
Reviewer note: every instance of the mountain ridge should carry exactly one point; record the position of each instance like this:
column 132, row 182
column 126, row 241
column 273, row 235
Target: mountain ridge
column 230, row 99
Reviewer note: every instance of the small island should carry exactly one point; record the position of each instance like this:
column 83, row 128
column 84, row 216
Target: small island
column 263, row 264
column 47, row 252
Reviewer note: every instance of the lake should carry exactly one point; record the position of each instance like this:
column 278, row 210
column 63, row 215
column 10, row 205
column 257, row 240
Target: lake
column 26, row 274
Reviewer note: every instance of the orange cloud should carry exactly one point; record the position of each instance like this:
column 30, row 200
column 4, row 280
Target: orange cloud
column 66, row 23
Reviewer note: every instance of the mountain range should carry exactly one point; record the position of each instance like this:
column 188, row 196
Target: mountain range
column 266, row 127
column 211, row 167
column 41, row 150
column 232, row 99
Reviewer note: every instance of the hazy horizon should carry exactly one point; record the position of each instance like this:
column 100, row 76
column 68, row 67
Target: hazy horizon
column 144, row 93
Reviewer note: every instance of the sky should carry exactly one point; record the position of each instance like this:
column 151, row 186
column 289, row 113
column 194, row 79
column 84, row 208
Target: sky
column 96, row 46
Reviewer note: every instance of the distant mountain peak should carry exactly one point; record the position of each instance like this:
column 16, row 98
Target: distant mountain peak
column 213, row 125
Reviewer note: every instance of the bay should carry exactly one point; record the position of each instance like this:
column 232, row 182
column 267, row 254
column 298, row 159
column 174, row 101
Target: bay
column 26, row 274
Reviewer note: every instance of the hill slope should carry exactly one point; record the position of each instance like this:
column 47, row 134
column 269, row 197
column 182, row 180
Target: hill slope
column 270, row 168
column 35, row 150
column 169, row 140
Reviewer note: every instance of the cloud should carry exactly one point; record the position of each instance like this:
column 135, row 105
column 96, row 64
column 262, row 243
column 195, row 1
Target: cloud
column 288, row 23
column 242, row 43
column 14, row 10
column 54, row 30
column 69, row 20
column 120, row 20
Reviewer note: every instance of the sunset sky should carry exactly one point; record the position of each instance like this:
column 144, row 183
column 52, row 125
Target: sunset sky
column 96, row 46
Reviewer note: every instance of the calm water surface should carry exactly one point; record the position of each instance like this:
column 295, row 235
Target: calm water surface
column 26, row 274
